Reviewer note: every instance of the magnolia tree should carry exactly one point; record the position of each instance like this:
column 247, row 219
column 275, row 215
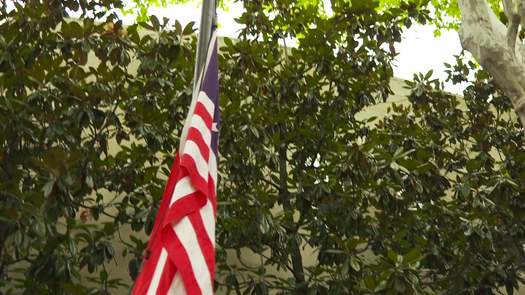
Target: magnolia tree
column 424, row 201
column 427, row 200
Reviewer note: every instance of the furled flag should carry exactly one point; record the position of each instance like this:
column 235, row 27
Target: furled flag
column 181, row 250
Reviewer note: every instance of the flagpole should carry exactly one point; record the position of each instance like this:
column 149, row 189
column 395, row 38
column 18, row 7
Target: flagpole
column 207, row 21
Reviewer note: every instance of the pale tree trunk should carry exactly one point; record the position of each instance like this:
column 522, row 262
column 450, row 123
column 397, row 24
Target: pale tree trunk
column 497, row 47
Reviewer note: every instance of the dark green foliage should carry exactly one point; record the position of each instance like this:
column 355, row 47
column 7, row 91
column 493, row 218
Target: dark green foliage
column 90, row 113
column 428, row 199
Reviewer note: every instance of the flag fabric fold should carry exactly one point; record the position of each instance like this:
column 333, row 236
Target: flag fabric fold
column 181, row 248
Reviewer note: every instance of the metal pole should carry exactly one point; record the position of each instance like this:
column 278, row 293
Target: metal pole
column 207, row 20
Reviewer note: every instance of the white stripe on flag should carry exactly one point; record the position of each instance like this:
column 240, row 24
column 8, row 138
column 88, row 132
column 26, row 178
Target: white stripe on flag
column 157, row 274
column 208, row 218
column 188, row 238
column 182, row 189
column 177, row 286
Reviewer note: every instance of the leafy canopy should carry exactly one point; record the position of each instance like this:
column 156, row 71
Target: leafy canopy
column 446, row 14
column 90, row 111
column 428, row 199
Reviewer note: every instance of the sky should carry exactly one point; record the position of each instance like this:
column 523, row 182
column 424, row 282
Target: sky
column 419, row 51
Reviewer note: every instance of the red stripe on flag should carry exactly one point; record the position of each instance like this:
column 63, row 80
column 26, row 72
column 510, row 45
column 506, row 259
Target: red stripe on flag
column 186, row 205
column 166, row 198
column 198, row 182
column 167, row 278
column 154, row 247
column 143, row 281
column 213, row 195
column 201, row 111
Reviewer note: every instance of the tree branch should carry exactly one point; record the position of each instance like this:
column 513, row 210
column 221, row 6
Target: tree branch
column 512, row 13
column 301, row 287
column 494, row 46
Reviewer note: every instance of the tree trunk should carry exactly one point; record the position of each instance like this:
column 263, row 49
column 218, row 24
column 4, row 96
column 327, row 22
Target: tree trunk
column 301, row 286
column 494, row 46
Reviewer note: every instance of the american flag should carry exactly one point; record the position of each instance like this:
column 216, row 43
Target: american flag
column 181, row 250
